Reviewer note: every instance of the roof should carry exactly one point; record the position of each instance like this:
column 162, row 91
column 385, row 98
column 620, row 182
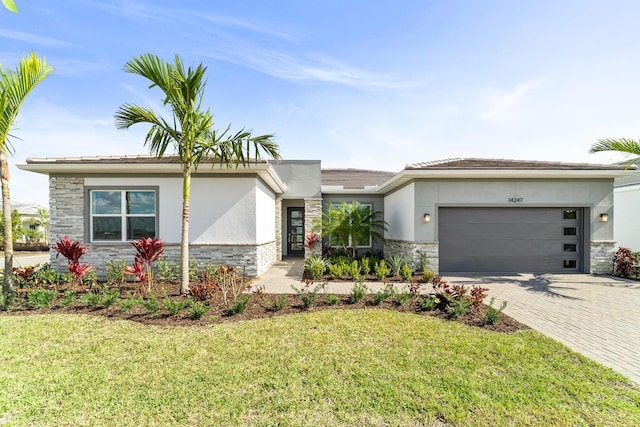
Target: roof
column 25, row 208
column 628, row 180
column 480, row 164
column 135, row 159
column 354, row 178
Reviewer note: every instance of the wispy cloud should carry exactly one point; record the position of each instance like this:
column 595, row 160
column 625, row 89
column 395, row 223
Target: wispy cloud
column 310, row 67
column 247, row 25
column 31, row 38
column 505, row 105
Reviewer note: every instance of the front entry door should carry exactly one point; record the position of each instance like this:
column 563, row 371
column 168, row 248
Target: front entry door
column 295, row 231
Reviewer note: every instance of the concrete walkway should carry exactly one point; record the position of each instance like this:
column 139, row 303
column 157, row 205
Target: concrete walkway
column 597, row 316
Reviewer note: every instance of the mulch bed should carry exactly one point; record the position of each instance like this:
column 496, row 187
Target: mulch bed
column 259, row 307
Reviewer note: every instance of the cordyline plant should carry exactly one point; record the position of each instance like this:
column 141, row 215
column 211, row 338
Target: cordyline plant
column 310, row 240
column 73, row 250
column 149, row 250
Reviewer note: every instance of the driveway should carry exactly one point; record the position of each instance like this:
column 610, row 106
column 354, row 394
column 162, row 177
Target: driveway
column 597, row 316
column 25, row 260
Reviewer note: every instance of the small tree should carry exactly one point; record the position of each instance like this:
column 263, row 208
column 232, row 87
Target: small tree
column 17, row 230
column 351, row 225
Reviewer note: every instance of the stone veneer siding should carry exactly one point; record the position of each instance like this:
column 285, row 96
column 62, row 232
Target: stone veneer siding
column 278, row 229
column 312, row 212
column 602, row 253
column 250, row 260
column 413, row 252
column 66, row 214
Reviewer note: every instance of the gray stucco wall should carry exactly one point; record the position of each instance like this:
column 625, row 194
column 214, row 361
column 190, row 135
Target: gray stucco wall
column 303, row 178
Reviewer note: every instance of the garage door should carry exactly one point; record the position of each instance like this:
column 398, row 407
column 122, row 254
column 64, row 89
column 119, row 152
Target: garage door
column 510, row 239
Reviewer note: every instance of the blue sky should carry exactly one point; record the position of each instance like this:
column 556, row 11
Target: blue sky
column 354, row 83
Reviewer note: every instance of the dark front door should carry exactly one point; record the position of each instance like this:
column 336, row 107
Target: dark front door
column 295, row 231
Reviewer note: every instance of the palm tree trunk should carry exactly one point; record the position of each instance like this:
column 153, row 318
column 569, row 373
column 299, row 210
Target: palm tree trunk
column 7, row 284
column 184, row 242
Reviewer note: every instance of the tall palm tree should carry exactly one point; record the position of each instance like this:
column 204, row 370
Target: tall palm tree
column 621, row 145
column 15, row 85
column 189, row 130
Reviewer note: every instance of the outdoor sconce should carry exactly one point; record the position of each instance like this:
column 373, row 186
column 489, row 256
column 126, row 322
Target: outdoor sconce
column 604, row 217
column 427, row 217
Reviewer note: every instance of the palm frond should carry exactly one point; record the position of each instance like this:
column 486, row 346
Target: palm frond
column 622, row 145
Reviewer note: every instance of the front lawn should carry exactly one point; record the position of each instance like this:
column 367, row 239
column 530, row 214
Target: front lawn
column 325, row 368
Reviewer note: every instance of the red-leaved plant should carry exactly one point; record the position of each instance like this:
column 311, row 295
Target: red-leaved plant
column 149, row 250
column 73, row 250
column 310, row 240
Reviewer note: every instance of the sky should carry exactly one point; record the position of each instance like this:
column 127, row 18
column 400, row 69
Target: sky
column 361, row 84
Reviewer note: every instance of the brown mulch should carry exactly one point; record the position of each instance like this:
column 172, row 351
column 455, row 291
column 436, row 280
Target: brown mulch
column 260, row 306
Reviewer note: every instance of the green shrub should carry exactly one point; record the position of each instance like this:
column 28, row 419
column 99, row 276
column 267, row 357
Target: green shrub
column 197, row 309
column 332, row 299
column 239, row 305
column 68, row 298
column 42, row 298
column 174, row 306
column 381, row 270
column 403, row 297
column 151, row 304
column 193, row 270
column 46, row 276
column 167, row 271
column 355, row 269
column 108, row 296
column 316, row 266
column 116, row 272
column 427, row 302
column 129, row 302
column 335, row 271
column 358, row 292
column 279, row 303
column 428, row 275
column 458, row 308
column 406, row 273
column 366, row 266
column 307, row 295
column 7, row 300
column 89, row 299
column 381, row 296
column 492, row 315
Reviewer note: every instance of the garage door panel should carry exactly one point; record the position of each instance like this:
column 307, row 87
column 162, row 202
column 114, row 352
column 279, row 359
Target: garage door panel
column 507, row 239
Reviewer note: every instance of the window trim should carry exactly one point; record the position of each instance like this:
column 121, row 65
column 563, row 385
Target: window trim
column 89, row 213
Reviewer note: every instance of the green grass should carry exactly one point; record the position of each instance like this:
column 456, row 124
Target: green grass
column 327, row 368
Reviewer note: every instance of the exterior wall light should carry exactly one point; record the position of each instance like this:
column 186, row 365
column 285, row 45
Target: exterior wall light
column 604, row 217
column 427, row 217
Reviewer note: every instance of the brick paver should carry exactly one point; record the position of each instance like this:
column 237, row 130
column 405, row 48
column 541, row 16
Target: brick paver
column 597, row 316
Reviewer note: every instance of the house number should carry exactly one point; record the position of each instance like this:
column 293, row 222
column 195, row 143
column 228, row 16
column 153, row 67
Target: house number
column 515, row 199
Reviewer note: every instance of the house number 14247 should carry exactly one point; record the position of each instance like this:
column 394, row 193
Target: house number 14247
column 515, row 199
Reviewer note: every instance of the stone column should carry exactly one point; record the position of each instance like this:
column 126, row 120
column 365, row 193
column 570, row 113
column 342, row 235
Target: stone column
column 66, row 215
column 278, row 229
column 312, row 212
column 602, row 252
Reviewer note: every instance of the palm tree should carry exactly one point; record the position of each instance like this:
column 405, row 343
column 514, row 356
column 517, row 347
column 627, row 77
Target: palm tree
column 351, row 225
column 15, row 85
column 622, row 145
column 189, row 130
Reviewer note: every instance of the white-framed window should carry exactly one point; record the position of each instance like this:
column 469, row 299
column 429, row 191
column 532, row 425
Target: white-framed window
column 122, row 215
column 365, row 242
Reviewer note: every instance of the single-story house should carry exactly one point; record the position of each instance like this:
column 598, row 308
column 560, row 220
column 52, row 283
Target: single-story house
column 626, row 198
column 462, row 215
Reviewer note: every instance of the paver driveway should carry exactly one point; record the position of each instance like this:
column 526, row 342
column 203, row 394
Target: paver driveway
column 597, row 316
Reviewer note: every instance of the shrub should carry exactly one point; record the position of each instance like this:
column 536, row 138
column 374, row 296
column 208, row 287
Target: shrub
column 116, row 272
column 478, row 294
column 366, row 266
column 42, row 298
column 73, row 251
column 332, row 299
column 414, row 288
column 129, row 302
column 623, row 263
column 46, row 276
column 22, row 276
column 197, row 309
column 307, row 295
column 428, row 275
column 335, row 271
column 358, row 292
column 108, row 296
column 174, row 306
column 193, row 270
column 7, row 300
column 427, row 302
column 316, row 266
column 229, row 282
column 89, row 299
column 239, row 305
column 202, row 291
column 355, row 269
column 381, row 296
column 406, row 273
column 68, row 298
column 395, row 264
column 458, row 308
column 381, row 270
column 403, row 297
column 151, row 304
column 167, row 271
column 279, row 303
column 492, row 315
column 311, row 240
column 148, row 251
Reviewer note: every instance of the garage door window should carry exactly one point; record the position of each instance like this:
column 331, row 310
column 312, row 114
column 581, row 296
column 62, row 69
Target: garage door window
column 570, row 231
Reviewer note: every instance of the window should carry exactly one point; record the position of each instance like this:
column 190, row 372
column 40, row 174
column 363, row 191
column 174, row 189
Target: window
column 122, row 215
column 364, row 241
column 570, row 247
column 569, row 263
column 570, row 214
column 570, row 231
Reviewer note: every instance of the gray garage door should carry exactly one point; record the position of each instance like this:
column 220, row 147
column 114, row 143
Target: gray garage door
column 510, row 239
